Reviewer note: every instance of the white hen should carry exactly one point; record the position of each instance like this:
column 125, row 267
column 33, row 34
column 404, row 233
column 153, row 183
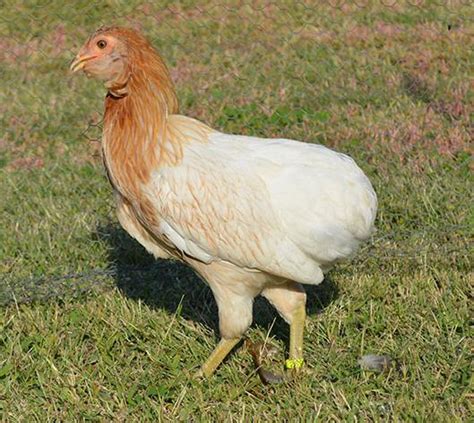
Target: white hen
column 251, row 216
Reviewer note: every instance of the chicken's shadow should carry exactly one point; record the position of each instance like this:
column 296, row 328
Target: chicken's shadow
column 172, row 286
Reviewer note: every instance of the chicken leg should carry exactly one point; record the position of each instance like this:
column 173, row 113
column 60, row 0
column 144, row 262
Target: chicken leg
column 223, row 348
column 295, row 361
column 289, row 299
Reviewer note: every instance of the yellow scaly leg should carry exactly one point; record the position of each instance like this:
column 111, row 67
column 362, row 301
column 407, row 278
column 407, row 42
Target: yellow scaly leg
column 295, row 362
column 220, row 352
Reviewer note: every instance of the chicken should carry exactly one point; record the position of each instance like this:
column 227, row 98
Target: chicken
column 251, row 216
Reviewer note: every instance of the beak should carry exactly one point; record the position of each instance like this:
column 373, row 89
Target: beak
column 79, row 62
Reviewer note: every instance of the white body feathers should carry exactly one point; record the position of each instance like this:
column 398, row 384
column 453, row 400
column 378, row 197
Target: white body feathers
column 282, row 207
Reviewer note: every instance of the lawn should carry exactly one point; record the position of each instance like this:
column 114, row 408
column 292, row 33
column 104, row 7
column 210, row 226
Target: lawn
column 92, row 328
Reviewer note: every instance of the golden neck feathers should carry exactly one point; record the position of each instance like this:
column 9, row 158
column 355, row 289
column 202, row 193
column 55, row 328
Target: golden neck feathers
column 137, row 107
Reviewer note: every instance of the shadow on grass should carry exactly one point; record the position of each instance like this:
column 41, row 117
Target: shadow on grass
column 171, row 285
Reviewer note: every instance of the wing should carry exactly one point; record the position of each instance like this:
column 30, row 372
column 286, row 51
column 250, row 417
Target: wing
column 216, row 206
column 279, row 206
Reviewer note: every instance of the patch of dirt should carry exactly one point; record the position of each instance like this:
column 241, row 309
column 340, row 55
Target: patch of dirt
column 27, row 163
column 418, row 141
column 456, row 106
column 14, row 51
column 312, row 33
column 387, row 30
column 185, row 70
column 365, row 33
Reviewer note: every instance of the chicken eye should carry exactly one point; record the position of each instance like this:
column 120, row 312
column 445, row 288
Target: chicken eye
column 101, row 44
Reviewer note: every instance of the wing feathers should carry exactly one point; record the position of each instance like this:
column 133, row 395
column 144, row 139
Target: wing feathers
column 282, row 207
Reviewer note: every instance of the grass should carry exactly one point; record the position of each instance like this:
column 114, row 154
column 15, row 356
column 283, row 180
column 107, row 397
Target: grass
column 93, row 329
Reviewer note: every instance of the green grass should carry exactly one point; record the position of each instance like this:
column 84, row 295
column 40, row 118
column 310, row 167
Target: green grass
column 91, row 328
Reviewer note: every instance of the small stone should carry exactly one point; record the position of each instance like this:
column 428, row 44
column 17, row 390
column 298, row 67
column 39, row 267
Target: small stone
column 376, row 363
